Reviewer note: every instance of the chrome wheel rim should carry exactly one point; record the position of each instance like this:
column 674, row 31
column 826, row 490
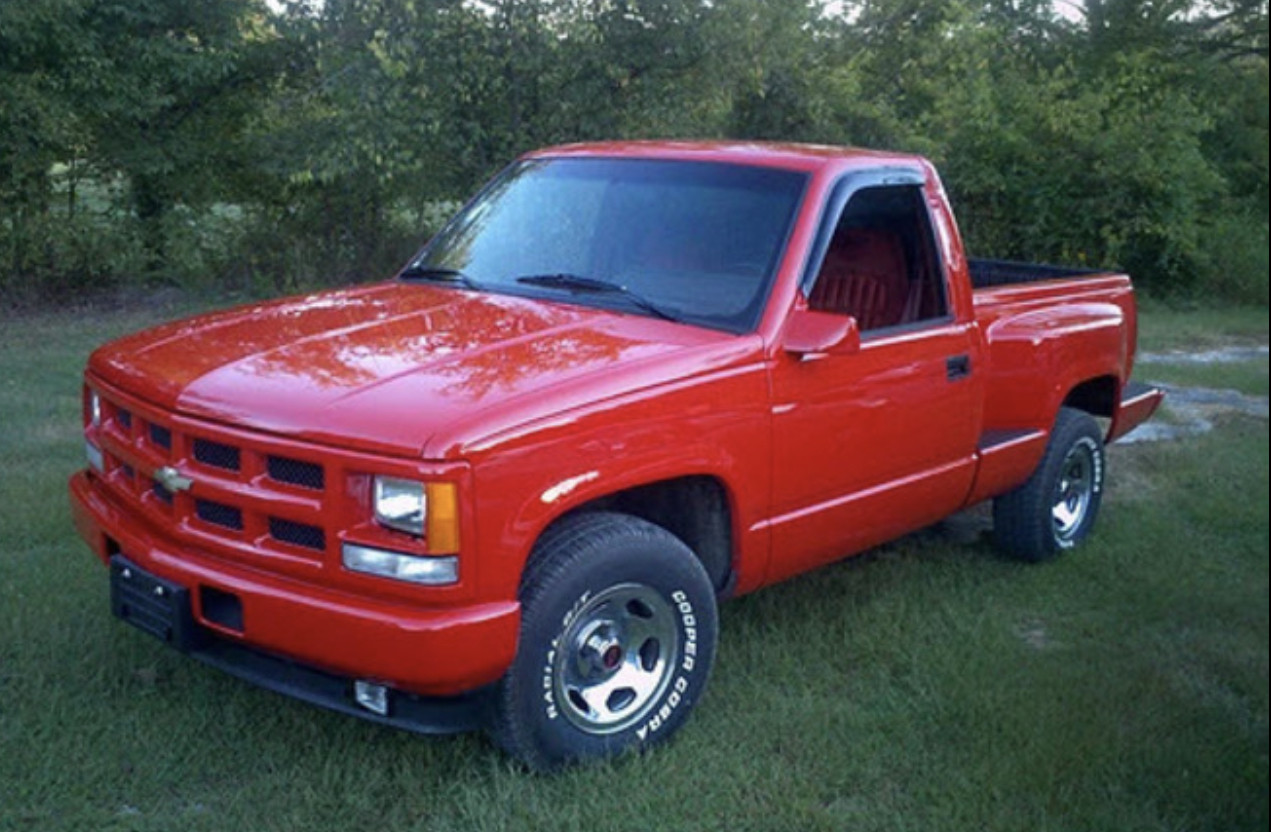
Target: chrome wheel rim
column 1074, row 491
column 616, row 658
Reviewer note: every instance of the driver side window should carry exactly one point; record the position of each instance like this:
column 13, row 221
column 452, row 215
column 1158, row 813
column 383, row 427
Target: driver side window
column 881, row 266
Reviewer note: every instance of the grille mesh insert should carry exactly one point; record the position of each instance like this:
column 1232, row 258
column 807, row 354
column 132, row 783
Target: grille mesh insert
column 219, row 514
column 161, row 436
column 297, row 534
column 295, row 472
column 217, row 455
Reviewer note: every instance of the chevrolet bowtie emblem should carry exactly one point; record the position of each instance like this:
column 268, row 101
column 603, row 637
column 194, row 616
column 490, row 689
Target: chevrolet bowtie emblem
column 171, row 479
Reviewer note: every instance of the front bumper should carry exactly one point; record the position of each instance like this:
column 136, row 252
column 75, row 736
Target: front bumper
column 163, row 609
column 436, row 652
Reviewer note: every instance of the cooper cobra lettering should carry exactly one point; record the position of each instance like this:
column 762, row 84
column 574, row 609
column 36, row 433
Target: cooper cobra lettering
column 680, row 685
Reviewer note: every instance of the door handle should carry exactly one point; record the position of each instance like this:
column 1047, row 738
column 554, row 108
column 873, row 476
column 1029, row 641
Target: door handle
column 957, row 366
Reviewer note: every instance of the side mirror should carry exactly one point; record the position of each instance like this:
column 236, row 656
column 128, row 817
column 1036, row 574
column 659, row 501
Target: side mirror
column 812, row 334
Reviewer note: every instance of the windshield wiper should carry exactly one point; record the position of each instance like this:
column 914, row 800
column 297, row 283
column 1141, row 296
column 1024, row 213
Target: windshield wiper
column 582, row 283
column 423, row 271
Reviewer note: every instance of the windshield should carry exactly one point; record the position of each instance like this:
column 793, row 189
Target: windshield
column 691, row 241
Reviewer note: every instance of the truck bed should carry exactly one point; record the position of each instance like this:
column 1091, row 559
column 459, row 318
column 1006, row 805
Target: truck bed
column 989, row 273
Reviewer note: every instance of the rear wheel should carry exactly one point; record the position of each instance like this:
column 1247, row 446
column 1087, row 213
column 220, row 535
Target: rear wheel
column 618, row 633
column 1057, row 507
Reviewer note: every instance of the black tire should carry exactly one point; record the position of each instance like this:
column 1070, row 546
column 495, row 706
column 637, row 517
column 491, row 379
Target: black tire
column 1057, row 507
column 618, row 634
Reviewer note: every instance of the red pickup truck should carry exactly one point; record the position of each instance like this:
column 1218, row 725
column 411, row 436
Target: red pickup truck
column 506, row 488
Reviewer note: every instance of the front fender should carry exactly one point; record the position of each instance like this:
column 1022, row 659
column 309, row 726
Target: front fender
column 718, row 427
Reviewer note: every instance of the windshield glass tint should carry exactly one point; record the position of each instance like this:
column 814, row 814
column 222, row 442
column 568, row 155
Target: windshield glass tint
column 699, row 240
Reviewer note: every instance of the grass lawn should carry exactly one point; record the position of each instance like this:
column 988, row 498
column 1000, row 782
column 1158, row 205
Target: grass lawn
column 1248, row 377
column 1163, row 330
column 1163, row 327
column 929, row 685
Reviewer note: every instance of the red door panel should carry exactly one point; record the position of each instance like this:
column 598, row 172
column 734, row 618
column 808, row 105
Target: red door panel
column 870, row 445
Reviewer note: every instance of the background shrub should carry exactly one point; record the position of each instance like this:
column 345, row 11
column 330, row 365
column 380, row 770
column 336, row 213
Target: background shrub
column 245, row 146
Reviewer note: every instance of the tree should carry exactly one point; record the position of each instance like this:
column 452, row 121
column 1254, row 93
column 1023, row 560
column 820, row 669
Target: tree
column 40, row 42
column 326, row 137
column 165, row 90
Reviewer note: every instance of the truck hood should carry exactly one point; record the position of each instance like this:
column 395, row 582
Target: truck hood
column 404, row 369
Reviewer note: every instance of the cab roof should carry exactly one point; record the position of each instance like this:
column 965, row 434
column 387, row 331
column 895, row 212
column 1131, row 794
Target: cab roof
column 789, row 155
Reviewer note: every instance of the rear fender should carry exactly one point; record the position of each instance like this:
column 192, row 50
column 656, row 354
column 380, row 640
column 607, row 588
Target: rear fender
column 1039, row 357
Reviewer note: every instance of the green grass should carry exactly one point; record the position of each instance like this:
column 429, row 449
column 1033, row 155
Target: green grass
column 1165, row 327
column 1249, row 377
column 927, row 686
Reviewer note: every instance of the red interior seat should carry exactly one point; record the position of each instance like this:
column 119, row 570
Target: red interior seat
column 864, row 276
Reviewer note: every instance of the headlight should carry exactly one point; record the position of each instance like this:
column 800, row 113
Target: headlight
column 400, row 504
column 95, row 458
column 416, row 569
column 95, row 408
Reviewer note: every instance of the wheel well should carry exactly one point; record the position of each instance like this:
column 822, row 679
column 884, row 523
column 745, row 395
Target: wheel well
column 694, row 509
column 1096, row 396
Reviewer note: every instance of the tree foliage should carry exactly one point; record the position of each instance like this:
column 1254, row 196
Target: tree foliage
column 240, row 143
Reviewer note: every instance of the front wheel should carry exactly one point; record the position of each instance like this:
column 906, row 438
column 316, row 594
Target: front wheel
column 1056, row 508
column 618, row 634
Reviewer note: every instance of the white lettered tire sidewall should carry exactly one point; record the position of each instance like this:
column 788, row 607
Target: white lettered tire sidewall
column 1094, row 448
column 1023, row 518
column 602, row 552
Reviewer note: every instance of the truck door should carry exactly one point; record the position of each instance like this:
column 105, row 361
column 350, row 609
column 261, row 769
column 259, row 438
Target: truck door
column 874, row 443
